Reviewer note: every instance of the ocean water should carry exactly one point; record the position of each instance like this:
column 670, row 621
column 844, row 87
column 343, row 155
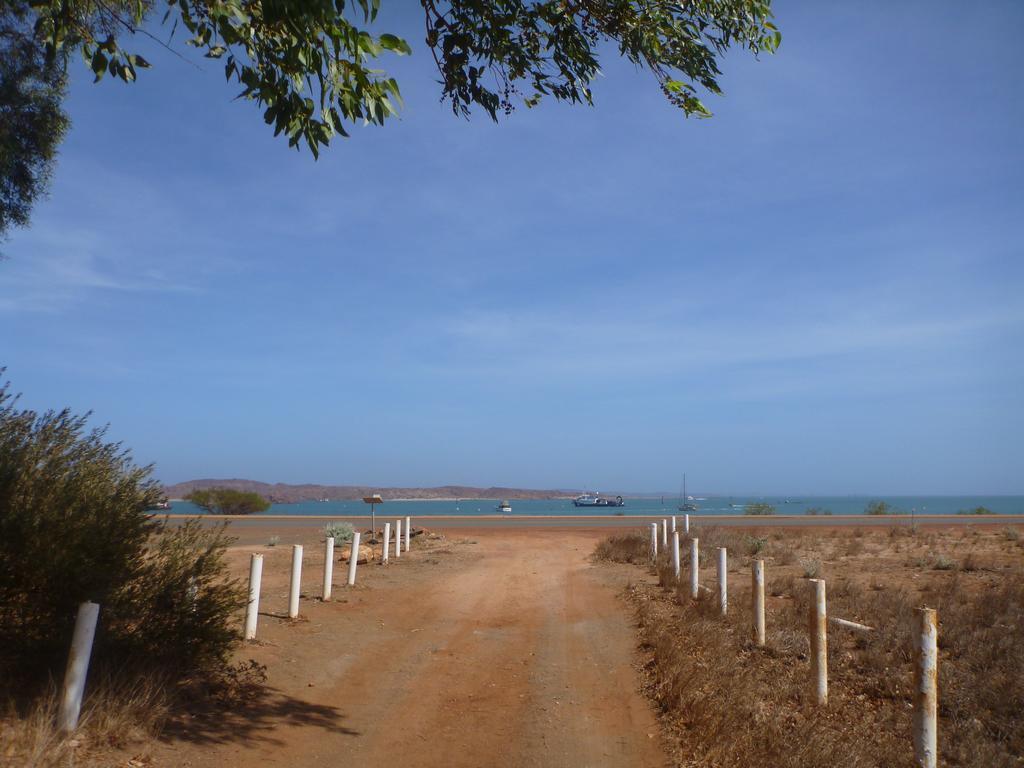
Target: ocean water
column 717, row 505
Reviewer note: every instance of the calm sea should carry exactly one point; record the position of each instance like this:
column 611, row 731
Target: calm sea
column 719, row 505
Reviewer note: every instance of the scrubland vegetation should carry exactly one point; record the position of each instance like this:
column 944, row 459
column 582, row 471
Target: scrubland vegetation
column 726, row 702
column 74, row 528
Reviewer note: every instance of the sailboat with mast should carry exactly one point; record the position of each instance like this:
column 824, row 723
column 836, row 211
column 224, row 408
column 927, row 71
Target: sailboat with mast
column 688, row 504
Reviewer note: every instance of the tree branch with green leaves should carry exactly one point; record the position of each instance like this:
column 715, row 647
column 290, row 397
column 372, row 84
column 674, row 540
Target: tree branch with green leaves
column 314, row 66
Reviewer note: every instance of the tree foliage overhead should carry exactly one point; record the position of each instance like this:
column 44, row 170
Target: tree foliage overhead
column 32, row 122
column 312, row 65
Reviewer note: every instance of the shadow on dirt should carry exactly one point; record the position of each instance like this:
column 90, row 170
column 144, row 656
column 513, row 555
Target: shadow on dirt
column 254, row 720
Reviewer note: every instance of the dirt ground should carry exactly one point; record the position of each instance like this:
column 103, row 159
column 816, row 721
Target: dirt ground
column 487, row 648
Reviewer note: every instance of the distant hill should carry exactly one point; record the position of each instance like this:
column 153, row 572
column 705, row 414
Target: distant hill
column 282, row 493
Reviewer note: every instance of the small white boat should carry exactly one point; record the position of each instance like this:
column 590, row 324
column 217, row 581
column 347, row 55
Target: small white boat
column 504, row 508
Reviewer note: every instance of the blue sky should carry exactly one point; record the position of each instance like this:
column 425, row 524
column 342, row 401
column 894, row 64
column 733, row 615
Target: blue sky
column 816, row 291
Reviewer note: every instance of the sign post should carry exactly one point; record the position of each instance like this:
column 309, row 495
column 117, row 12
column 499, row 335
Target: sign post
column 373, row 501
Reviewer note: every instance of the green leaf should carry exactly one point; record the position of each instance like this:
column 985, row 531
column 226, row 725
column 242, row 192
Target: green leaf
column 99, row 65
column 396, row 44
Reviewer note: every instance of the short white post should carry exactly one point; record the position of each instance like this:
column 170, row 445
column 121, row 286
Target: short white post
column 328, row 567
column 675, row 553
column 819, row 642
column 296, row 582
column 252, row 608
column 673, row 523
column 723, row 579
column 664, row 533
column 654, row 542
column 926, row 689
column 686, row 524
column 353, row 559
column 757, row 583
column 694, row 567
column 408, row 533
column 78, row 666
column 387, row 543
column 398, row 537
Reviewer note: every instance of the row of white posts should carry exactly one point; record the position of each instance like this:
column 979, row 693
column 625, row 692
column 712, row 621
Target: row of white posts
column 256, row 571
column 925, row 636
column 88, row 613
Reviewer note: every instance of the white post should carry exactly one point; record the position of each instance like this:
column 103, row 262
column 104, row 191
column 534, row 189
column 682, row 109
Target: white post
column 758, row 589
column 328, row 566
column 398, row 537
column 353, row 559
column 694, row 567
column 664, row 533
column 78, row 666
column 252, row 608
column 408, row 533
column 673, row 523
column 654, row 542
column 723, row 578
column 686, row 524
column 819, row 642
column 296, row 583
column 675, row 553
column 926, row 689
column 387, row 543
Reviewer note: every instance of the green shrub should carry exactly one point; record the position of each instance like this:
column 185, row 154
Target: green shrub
column 176, row 613
column 73, row 527
column 976, row 511
column 759, row 508
column 228, row 501
column 878, row 508
column 813, row 511
column 340, row 531
column 755, row 545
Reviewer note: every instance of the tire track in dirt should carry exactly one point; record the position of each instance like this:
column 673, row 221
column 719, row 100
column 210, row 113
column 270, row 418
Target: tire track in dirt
column 518, row 655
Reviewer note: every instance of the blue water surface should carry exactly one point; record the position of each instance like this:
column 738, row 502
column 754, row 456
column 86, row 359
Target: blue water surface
column 718, row 505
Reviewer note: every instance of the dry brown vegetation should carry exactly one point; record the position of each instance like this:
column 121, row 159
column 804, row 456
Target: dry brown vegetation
column 726, row 702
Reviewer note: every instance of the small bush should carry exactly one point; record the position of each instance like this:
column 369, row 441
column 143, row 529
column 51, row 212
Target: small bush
column 1011, row 534
column 759, row 508
column 943, row 563
column 813, row 511
column 273, row 541
column 975, row 511
column 811, row 567
column 878, row 508
column 341, row 532
column 755, row 545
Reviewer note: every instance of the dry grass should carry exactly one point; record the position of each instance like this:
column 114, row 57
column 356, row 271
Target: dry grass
column 627, row 548
column 117, row 714
column 726, row 702
column 121, row 714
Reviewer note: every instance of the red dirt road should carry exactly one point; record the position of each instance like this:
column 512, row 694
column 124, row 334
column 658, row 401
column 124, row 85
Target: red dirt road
column 509, row 649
